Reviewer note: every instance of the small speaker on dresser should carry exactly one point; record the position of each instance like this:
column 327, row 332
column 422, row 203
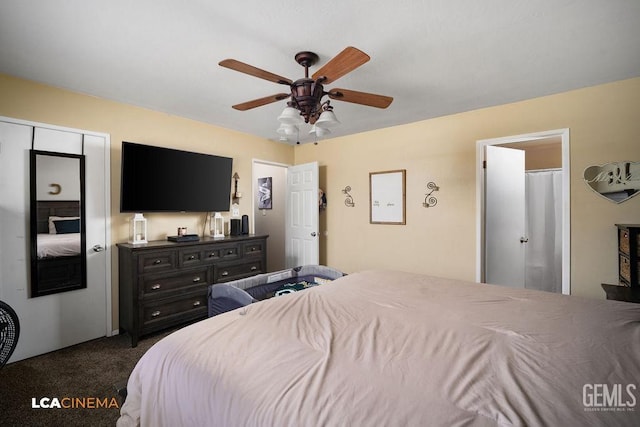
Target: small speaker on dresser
column 245, row 224
column 236, row 227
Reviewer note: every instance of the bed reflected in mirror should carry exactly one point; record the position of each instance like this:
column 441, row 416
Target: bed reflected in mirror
column 58, row 262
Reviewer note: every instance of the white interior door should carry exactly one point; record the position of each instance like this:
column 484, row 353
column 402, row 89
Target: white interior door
column 59, row 320
column 301, row 231
column 504, row 216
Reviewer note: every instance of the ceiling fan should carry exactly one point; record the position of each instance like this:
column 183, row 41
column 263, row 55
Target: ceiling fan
column 307, row 93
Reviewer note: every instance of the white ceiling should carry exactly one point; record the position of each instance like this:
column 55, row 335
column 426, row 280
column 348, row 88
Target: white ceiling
column 434, row 57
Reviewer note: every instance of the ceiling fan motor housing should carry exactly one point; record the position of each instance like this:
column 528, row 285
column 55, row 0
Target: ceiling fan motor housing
column 307, row 94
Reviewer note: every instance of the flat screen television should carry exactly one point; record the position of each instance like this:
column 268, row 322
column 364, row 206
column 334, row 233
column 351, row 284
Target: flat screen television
column 157, row 179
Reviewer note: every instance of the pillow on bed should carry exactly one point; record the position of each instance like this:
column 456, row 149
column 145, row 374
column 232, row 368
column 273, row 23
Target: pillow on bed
column 67, row 226
column 53, row 219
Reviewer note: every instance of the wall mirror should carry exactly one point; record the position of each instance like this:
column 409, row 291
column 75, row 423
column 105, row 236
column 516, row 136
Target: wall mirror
column 617, row 181
column 58, row 242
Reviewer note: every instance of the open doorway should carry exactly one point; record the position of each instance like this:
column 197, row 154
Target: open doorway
column 523, row 211
column 291, row 217
column 271, row 220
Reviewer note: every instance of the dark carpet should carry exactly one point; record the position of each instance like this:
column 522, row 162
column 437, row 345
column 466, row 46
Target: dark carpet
column 89, row 373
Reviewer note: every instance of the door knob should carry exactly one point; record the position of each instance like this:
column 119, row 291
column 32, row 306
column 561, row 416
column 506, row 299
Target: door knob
column 98, row 248
column 313, row 234
column 524, row 239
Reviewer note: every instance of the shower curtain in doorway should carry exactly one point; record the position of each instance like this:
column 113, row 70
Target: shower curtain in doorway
column 543, row 255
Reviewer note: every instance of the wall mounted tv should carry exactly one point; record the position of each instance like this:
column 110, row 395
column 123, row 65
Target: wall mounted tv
column 157, row 179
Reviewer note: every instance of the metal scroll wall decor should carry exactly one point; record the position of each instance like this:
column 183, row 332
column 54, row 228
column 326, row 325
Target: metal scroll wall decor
column 617, row 182
column 429, row 200
column 348, row 201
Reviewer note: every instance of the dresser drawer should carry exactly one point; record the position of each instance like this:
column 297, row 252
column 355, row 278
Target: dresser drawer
column 238, row 271
column 159, row 284
column 156, row 261
column 254, row 248
column 190, row 257
column 626, row 267
column 220, row 253
column 623, row 239
column 188, row 306
column 229, row 253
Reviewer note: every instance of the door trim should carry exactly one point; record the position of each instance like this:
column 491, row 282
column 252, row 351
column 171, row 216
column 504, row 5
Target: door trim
column 566, row 200
column 107, row 200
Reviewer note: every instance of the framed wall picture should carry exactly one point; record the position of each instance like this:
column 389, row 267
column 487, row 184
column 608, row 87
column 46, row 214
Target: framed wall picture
column 264, row 193
column 387, row 197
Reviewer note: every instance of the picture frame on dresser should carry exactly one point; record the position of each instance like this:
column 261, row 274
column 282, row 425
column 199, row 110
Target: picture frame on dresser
column 163, row 284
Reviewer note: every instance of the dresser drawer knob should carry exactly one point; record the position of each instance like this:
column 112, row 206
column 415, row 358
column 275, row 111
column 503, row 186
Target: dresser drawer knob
column 254, row 268
column 253, row 249
column 158, row 261
column 155, row 287
column 196, row 279
column 212, row 255
column 155, row 314
column 192, row 257
column 225, row 273
column 197, row 304
column 230, row 252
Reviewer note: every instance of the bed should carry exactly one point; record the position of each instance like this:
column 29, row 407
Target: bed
column 388, row 348
column 57, row 249
column 58, row 245
column 58, row 228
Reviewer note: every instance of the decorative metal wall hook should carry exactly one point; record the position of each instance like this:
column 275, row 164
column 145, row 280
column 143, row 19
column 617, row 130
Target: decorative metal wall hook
column 429, row 200
column 349, row 200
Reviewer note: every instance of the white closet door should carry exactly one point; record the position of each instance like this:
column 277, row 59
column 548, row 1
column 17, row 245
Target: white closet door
column 505, row 217
column 59, row 320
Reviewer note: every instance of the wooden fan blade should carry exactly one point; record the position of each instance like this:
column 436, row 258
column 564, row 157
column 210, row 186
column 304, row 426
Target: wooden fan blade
column 364, row 98
column 254, row 71
column 344, row 62
column 260, row 102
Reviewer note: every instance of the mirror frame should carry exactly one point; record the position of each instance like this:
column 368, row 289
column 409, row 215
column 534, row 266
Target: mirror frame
column 38, row 288
column 615, row 181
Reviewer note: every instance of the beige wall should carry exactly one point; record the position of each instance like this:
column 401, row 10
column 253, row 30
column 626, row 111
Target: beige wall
column 604, row 127
column 26, row 100
column 440, row 240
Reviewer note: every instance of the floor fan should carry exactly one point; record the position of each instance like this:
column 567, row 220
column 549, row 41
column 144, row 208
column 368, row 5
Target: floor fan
column 9, row 332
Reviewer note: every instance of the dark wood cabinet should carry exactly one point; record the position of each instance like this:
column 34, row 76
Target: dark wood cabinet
column 164, row 284
column 628, row 255
column 628, row 288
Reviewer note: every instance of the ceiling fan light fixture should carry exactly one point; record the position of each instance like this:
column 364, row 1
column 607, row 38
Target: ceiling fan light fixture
column 290, row 116
column 287, row 129
column 319, row 132
column 327, row 119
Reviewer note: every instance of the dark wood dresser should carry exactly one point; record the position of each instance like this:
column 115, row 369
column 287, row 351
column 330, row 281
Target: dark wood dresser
column 628, row 288
column 628, row 254
column 164, row 284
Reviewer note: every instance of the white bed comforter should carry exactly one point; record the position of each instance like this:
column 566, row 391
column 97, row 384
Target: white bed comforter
column 386, row 348
column 58, row 245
